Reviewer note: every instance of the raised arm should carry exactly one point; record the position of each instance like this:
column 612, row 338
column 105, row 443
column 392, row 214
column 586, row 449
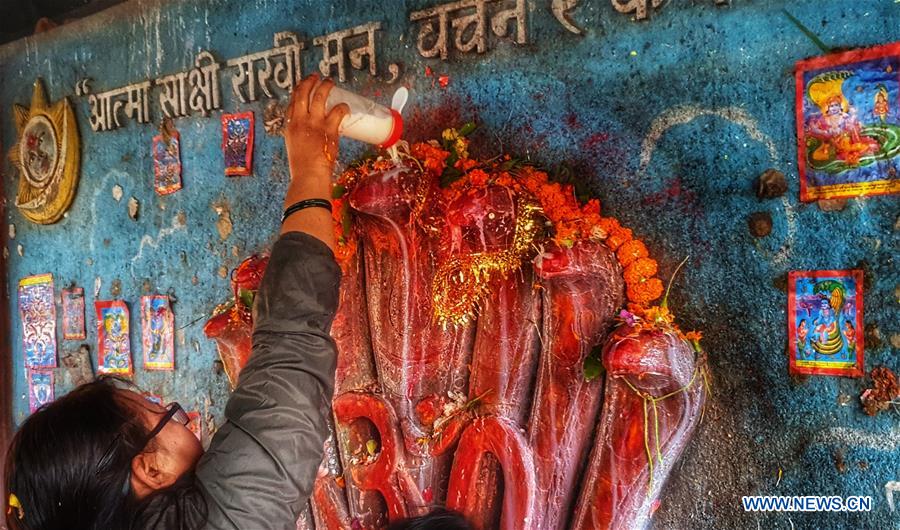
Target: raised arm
column 261, row 464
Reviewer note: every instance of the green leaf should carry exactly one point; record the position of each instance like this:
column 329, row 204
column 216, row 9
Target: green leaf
column 512, row 163
column 246, row 296
column 371, row 447
column 806, row 31
column 467, row 129
column 338, row 191
column 593, row 368
column 449, row 176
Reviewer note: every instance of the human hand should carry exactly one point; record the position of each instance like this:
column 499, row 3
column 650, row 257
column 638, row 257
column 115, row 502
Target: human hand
column 311, row 141
column 311, row 134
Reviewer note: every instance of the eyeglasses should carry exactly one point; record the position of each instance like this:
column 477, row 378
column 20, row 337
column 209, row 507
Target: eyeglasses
column 173, row 412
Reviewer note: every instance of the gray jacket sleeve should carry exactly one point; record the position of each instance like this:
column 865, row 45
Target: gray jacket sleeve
column 261, row 464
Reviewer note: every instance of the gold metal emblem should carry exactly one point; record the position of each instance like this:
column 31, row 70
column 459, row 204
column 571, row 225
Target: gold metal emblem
column 47, row 155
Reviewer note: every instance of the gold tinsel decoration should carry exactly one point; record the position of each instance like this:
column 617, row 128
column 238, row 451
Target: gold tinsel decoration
column 462, row 281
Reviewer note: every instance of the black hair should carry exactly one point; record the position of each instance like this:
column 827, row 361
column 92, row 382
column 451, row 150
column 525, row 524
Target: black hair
column 439, row 519
column 69, row 465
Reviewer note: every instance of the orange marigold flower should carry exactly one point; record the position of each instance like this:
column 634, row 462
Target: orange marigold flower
column 591, row 208
column 478, row 178
column 465, row 164
column 617, row 237
column 658, row 314
column 433, row 158
column 630, row 251
column 568, row 193
column 344, row 251
column 566, row 233
column 608, row 224
column 645, row 292
column 640, row 270
column 693, row 336
column 505, row 179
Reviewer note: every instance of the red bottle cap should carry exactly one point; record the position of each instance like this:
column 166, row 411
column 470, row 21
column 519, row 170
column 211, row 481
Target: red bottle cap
column 396, row 131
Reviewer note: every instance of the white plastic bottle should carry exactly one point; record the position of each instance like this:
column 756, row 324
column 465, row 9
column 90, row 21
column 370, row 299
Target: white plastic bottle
column 368, row 121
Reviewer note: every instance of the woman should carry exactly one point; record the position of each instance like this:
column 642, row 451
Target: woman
column 103, row 457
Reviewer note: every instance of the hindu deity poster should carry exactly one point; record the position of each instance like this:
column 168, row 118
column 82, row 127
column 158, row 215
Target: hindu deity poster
column 157, row 332
column 40, row 388
column 37, row 311
column 113, row 341
column 167, row 162
column 825, row 322
column 73, row 314
column 848, row 123
column 237, row 144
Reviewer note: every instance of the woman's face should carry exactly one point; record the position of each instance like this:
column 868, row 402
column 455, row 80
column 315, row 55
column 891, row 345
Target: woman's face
column 176, row 449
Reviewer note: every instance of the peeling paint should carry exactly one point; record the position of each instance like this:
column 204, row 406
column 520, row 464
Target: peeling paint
column 223, row 223
column 133, row 207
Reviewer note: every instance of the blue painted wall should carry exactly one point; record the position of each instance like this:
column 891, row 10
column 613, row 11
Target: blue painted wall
column 721, row 76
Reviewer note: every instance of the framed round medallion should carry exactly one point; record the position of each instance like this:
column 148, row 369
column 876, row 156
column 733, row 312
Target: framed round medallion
column 47, row 156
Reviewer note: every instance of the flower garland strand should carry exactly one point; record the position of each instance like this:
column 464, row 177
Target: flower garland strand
column 568, row 221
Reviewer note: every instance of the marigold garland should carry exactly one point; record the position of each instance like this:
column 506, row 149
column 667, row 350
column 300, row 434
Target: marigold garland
column 567, row 220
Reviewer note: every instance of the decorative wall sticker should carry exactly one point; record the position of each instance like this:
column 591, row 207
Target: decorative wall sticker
column 158, row 332
column 167, row 160
column 40, row 388
column 825, row 322
column 73, row 314
column 113, row 339
column 37, row 311
column 848, row 123
column 237, row 143
column 47, row 156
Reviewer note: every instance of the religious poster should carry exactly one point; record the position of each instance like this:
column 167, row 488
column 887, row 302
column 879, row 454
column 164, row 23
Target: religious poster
column 237, row 143
column 167, row 162
column 158, row 333
column 825, row 322
column 848, row 123
column 73, row 314
column 37, row 310
column 40, row 388
column 113, row 341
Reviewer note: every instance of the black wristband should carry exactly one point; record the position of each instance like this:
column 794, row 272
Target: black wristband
column 306, row 203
